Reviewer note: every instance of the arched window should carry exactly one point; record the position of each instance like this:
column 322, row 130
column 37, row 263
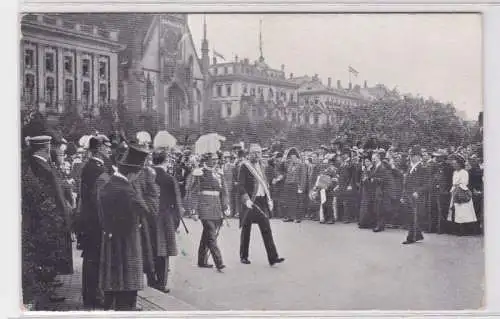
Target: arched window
column 29, row 89
column 150, row 92
column 189, row 70
column 103, row 93
column 68, row 91
column 50, row 91
column 86, row 94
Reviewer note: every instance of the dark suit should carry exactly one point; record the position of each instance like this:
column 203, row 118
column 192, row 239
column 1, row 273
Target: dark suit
column 248, row 187
column 417, row 181
column 442, row 174
column 90, row 231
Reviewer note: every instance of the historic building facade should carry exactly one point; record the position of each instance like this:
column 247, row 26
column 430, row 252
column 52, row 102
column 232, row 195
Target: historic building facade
column 67, row 65
column 160, row 74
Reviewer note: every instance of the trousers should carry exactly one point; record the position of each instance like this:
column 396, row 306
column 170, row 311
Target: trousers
column 208, row 242
column 255, row 216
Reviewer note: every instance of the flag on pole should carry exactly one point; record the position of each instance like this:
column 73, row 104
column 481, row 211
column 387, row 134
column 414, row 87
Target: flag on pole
column 353, row 71
column 217, row 54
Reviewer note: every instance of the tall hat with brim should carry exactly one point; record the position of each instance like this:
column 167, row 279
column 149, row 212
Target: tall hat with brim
column 98, row 140
column 458, row 157
column 135, row 156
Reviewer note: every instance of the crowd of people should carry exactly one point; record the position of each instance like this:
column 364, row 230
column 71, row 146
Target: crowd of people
column 125, row 200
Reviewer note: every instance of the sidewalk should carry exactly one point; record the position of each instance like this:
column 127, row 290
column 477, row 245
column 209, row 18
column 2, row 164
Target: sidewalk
column 148, row 299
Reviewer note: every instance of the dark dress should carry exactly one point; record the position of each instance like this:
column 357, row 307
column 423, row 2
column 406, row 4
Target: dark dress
column 367, row 216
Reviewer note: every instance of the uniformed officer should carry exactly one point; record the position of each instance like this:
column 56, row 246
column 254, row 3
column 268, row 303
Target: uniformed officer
column 210, row 202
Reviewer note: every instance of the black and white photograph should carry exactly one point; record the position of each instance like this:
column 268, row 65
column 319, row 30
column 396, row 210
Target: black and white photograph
column 251, row 161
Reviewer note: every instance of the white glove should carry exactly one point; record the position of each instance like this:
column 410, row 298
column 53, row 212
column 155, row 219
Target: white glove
column 271, row 205
column 248, row 203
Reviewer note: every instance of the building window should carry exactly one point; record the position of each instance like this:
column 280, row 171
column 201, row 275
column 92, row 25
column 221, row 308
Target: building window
column 29, row 89
column 229, row 110
column 49, row 62
column 316, row 118
column 252, row 91
column 225, row 70
column 307, row 118
column 86, row 94
column 215, row 71
column 150, row 92
column 102, row 71
column 245, row 89
column 291, row 97
column 294, row 117
column 316, row 100
column 103, row 93
column 68, row 90
column 306, row 99
column 270, row 93
column 86, row 67
column 50, row 90
column 219, row 90
column 29, row 58
column 68, row 64
column 228, row 89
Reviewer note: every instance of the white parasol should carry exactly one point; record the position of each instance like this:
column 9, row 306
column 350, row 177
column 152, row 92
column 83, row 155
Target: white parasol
column 164, row 139
column 208, row 143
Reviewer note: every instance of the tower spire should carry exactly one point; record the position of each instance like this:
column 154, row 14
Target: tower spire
column 204, row 26
column 260, row 41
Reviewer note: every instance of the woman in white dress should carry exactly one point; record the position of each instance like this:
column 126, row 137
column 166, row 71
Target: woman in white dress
column 462, row 214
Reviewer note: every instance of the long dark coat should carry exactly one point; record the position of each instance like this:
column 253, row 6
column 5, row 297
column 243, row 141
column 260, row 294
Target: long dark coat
column 149, row 193
column 121, row 264
column 87, row 223
column 169, row 213
column 48, row 175
column 367, row 215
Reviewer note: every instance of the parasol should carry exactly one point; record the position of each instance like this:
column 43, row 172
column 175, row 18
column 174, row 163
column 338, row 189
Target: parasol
column 164, row 139
column 143, row 138
column 208, row 143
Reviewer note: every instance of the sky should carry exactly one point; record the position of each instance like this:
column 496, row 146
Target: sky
column 438, row 55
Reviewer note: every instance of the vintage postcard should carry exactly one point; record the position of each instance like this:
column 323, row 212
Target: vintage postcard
column 282, row 162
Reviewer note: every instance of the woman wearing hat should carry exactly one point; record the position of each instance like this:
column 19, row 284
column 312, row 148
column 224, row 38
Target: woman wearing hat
column 294, row 186
column 461, row 212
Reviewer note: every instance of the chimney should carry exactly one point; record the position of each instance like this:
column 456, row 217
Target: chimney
column 291, row 75
column 214, row 60
column 236, row 58
column 329, row 83
column 366, row 84
column 283, row 68
column 339, row 85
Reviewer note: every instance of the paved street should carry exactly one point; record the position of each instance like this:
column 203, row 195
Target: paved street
column 332, row 267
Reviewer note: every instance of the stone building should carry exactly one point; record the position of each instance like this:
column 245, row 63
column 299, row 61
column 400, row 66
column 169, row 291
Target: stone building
column 66, row 65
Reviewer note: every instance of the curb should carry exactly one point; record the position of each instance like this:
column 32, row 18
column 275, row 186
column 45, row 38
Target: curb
column 153, row 300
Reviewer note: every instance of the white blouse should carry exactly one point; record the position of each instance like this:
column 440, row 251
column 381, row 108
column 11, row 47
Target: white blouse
column 461, row 179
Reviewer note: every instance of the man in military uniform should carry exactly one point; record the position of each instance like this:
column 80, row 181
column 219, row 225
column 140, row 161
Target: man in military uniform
column 210, row 201
column 441, row 180
column 88, row 225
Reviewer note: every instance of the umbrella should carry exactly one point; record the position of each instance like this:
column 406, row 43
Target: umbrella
column 208, row 143
column 164, row 139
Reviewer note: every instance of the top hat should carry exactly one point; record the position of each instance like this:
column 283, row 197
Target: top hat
column 237, row 147
column 98, row 140
column 134, row 156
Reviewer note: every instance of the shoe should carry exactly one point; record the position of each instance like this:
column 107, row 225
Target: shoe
column 287, row 220
column 330, row 222
column 219, row 268
column 277, row 261
column 298, row 221
column 322, row 222
column 420, row 237
column 346, row 221
column 205, row 266
column 378, row 229
column 407, row 242
column 245, row 261
column 162, row 289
